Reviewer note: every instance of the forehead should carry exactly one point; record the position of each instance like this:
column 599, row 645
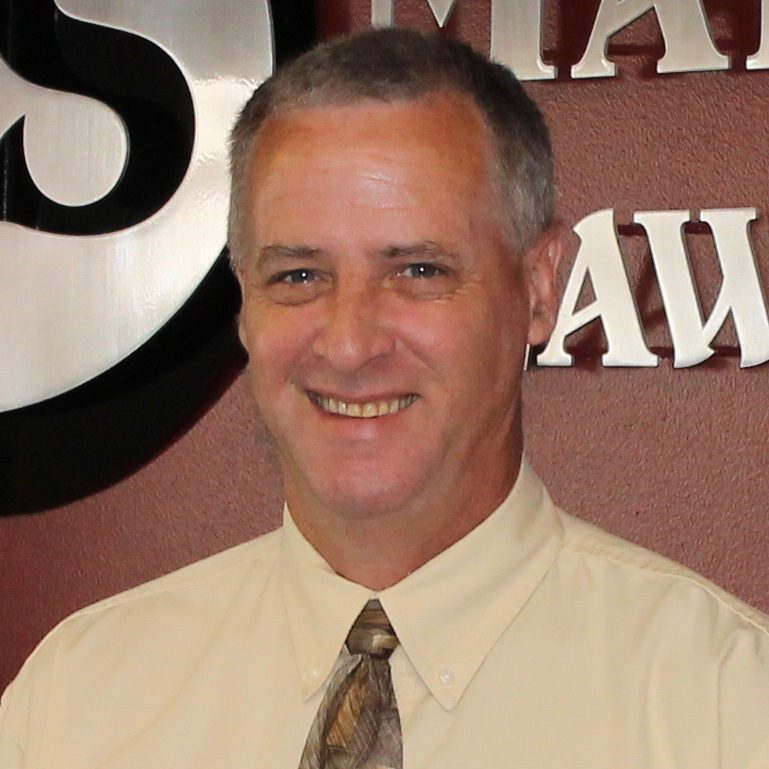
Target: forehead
column 432, row 130
column 435, row 120
column 425, row 153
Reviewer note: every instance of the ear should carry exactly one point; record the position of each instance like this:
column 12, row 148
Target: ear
column 241, row 314
column 541, row 265
column 242, row 330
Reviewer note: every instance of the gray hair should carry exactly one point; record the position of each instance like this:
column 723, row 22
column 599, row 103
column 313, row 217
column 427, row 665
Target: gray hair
column 405, row 65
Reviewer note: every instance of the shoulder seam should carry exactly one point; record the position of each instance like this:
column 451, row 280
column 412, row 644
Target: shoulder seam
column 662, row 565
column 135, row 593
column 128, row 597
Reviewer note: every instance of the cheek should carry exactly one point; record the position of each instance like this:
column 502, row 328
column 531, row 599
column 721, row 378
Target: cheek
column 487, row 343
column 451, row 337
column 471, row 323
column 276, row 340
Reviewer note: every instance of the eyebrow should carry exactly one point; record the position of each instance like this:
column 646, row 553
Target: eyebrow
column 280, row 251
column 422, row 248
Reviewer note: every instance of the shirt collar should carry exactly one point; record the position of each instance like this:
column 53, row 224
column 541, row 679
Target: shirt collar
column 320, row 606
column 447, row 614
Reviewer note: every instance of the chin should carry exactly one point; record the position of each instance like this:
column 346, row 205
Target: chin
column 361, row 493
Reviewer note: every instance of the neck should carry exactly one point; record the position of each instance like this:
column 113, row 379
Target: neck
column 379, row 549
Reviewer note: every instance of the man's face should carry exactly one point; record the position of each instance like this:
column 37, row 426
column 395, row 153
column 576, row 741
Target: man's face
column 385, row 314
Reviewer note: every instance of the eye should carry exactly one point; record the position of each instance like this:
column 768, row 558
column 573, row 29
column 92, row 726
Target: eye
column 422, row 270
column 425, row 280
column 294, row 277
column 296, row 286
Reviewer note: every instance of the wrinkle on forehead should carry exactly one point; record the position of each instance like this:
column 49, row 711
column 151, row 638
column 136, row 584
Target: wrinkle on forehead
column 391, row 157
column 447, row 120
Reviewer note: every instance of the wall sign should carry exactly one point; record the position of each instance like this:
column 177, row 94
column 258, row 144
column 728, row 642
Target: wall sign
column 75, row 304
column 516, row 40
column 516, row 34
column 76, row 300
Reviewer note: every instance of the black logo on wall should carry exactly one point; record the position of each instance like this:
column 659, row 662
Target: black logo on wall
column 76, row 443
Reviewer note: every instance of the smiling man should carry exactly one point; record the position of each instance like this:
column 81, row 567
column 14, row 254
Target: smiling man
column 386, row 313
column 424, row 604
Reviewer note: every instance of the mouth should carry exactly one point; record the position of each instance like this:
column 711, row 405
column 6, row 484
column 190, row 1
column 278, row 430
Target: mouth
column 361, row 410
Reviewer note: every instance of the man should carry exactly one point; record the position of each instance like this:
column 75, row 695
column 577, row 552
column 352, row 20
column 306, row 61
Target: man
column 392, row 230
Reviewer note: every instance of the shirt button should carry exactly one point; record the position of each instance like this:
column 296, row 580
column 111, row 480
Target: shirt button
column 315, row 673
column 446, row 676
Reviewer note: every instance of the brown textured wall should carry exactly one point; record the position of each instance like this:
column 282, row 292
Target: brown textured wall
column 215, row 487
column 674, row 460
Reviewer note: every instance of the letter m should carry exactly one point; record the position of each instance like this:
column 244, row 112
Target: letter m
column 383, row 11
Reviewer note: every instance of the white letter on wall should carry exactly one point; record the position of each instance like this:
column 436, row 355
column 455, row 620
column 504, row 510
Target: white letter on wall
column 760, row 59
column 516, row 38
column 740, row 293
column 600, row 256
column 383, row 12
column 688, row 46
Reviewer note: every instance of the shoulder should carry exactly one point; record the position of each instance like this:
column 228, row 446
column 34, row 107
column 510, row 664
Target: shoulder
column 183, row 603
column 693, row 653
column 646, row 583
column 215, row 573
column 142, row 638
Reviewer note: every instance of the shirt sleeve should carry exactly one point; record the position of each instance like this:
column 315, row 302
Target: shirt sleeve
column 761, row 759
column 24, row 709
column 11, row 754
column 743, row 707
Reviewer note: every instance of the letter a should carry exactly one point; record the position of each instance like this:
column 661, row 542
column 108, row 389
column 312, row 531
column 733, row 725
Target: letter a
column 599, row 255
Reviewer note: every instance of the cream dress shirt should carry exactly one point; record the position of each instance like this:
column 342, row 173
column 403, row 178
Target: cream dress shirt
column 536, row 642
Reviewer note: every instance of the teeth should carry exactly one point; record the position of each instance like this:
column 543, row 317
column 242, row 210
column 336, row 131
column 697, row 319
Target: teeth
column 362, row 410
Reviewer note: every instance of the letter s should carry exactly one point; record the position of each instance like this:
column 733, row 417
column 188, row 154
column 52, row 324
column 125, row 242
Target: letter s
column 81, row 296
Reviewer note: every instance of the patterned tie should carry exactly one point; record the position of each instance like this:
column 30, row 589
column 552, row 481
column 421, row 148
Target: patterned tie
column 357, row 726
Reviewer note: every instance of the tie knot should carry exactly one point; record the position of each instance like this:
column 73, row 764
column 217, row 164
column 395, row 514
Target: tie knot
column 372, row 632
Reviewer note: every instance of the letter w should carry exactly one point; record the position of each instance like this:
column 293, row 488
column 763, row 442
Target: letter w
column 741, row 293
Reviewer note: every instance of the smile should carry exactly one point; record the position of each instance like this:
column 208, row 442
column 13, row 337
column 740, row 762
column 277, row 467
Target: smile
column 366, row 410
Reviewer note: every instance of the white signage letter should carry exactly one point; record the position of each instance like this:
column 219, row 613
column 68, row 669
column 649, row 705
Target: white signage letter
column 516, row 38
column 740, row 293
column 383, row 12
column 760, row 59
column 688, row 45
column 600, row 256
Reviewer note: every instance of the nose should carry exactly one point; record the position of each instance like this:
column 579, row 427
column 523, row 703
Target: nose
column 354, row 329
